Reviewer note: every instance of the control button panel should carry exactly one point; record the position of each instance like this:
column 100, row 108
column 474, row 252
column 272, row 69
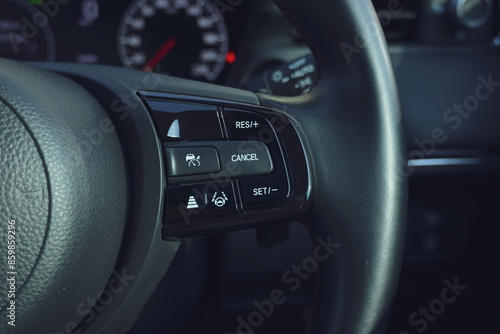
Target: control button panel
column 259, row 192
column 189, row 203
column 191, row 160
column 185, row 121
column 250, row 155
column 226, row 165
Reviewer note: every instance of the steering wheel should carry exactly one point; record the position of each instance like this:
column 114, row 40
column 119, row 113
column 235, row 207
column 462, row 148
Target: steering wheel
column 96, row 195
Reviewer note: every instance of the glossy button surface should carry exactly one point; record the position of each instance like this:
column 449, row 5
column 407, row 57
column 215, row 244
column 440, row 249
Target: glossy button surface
column 263, row 191
column 244, row 158
column 188, row 203
column 191, row 160
column 245, row 125
column 185, row 121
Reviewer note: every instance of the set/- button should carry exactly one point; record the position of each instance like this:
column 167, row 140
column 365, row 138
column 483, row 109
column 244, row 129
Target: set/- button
column 264, row 191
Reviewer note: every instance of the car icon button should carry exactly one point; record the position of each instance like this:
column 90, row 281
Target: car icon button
column 183, row 161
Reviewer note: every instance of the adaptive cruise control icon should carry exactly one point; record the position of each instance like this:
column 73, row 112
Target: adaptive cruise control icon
column 219, row 201
column 192, row 160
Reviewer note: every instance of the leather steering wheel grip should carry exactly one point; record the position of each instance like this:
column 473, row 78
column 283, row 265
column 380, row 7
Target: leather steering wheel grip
column 351, row 125
column 63, row 184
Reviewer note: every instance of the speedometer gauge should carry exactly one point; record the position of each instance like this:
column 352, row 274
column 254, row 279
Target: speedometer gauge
column 184, row 38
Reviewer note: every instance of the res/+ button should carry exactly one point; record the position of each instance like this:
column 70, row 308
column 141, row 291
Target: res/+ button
column 244, row 125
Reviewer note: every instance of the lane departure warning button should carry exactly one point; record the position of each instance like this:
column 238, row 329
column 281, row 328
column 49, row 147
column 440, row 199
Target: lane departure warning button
column 189, row 203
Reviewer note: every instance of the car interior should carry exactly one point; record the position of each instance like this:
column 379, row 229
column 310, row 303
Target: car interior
column 237, row 166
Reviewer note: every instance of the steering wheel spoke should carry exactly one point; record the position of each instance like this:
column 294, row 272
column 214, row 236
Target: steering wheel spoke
column 230, row 165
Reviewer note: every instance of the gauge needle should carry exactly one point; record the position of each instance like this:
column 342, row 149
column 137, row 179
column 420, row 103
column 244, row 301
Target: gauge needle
column 160, row 54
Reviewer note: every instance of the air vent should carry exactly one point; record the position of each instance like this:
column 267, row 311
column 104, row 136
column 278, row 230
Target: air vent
column 398, row 19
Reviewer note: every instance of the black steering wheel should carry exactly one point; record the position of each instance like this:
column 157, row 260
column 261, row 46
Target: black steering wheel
column 95, row 197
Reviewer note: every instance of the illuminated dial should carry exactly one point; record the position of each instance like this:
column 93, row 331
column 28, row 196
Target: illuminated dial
column 184, row 38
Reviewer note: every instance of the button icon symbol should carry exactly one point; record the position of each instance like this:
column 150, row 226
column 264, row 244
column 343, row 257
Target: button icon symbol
column 192, row 160
column 277, row 76
column 219, row 201
column 174, row 130
column 192, row 203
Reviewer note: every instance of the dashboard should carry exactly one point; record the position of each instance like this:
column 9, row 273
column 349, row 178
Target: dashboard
column 196, row 39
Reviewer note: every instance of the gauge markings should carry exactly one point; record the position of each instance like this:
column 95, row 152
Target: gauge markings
column 185, row 38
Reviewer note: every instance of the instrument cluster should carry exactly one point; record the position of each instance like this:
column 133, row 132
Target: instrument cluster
column 195, row 39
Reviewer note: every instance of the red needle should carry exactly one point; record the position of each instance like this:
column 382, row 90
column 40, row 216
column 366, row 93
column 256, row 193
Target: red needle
column 160, row 54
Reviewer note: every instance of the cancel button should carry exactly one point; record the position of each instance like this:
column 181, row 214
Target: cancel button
column 244, row 158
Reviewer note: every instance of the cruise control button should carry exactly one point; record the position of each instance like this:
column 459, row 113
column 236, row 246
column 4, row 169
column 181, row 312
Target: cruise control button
column 248, row 126
column 185, row 121
column 263, row 191
column 245, row 158
column 183, row 161
column 189, row 203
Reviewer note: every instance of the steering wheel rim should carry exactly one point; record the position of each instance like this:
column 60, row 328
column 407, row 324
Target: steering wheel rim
column 370, row 233
column 350, row 126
